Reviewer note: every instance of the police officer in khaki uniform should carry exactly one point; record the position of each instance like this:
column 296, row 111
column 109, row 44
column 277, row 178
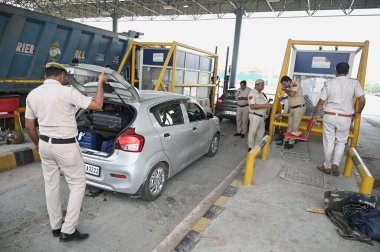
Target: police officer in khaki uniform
column 258, row 111
column 53, row 104
column 242, row 109
column 297, row 108
column 337, row 96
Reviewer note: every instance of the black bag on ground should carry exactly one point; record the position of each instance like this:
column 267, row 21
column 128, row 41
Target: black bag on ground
column 109, row 121
column 341, row 206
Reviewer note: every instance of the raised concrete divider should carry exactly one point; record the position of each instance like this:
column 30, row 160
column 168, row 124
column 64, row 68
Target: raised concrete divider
column 188, row 230
column 18, row 157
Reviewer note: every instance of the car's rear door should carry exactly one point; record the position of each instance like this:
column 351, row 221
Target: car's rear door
column 173, row 132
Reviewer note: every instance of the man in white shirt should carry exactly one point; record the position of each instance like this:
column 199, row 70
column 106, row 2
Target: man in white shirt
column 258, row 111
column 53, row 105
column 338, row 98
column 242, row 110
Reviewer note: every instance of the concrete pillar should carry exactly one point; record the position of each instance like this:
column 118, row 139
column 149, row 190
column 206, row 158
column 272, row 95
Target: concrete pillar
column 239, row 17
column 115, row 17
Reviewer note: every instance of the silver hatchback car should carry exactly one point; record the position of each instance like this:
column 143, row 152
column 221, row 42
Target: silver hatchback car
column 141, row 138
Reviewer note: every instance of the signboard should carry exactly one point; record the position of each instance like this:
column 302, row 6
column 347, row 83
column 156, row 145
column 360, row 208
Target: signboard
column 319, row 63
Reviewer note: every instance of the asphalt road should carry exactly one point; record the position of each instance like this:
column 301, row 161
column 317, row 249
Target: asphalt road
column 115, row 222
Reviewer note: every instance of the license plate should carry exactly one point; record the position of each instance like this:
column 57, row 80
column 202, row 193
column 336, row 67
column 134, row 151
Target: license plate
column 92, row 169
column 230, row 112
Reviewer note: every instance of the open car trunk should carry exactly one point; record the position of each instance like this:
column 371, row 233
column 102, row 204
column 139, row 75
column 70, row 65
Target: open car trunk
column 98, row 130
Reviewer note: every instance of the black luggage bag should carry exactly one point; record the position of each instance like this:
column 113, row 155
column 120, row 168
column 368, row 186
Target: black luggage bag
column 109, row 121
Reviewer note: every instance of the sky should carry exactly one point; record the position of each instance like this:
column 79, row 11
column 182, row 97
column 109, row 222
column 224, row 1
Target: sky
column 263, row 41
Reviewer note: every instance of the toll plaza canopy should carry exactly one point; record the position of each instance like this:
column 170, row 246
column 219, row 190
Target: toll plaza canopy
column 179, row 9
column 155, row 10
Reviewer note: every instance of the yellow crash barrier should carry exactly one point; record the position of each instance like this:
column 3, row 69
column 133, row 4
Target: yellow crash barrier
column 367, row 179
column 250, row 163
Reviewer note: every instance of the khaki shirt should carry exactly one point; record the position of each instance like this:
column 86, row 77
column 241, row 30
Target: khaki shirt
column 339, row 94
column 243, row 93
column 298, row 98
column 53, row 105
column 257, row 98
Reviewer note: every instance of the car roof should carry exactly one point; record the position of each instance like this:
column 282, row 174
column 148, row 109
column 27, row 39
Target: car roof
column 146, row 95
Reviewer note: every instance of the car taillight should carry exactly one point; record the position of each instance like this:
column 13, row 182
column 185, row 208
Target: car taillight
column 219, row 101
column 130, row 141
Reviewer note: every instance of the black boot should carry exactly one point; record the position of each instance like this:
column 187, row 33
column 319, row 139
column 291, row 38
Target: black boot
column 72, row 237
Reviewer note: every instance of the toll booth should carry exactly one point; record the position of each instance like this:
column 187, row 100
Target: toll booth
column 311, row 63
column 173, row 67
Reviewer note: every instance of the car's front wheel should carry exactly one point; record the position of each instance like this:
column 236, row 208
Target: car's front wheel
column 214, row 145
column 155, row 183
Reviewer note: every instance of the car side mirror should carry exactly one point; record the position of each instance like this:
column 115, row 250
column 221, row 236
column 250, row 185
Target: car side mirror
column 210, row 115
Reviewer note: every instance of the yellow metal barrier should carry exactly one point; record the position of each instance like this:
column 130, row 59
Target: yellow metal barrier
column 367, row 182
column 250, row 163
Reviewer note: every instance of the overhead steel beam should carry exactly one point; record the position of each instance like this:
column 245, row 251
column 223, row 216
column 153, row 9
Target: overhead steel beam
column 172, row 7
column 142, row 6
column 204, row 8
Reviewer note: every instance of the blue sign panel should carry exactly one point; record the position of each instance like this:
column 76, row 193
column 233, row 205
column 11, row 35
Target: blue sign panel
column 156, row 57
column 319, row 62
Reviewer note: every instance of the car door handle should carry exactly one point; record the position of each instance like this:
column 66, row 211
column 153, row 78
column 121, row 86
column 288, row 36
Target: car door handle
column 166, row 135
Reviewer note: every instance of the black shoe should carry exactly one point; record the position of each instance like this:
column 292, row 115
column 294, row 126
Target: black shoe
column 249, row 149
column 289, row 146
column 242, row 135
column 72, row 237
column 56, row 232
column 237, row 134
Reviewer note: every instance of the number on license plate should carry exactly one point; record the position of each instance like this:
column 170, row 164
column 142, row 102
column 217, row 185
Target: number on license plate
column 92, row 169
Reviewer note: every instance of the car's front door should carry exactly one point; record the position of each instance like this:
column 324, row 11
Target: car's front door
column 200, row 128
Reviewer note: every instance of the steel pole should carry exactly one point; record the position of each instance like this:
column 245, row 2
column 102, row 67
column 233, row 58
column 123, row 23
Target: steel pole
column 225, row 81
column 239, row 17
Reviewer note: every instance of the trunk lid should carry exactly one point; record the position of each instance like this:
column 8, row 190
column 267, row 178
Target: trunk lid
column 84, row 78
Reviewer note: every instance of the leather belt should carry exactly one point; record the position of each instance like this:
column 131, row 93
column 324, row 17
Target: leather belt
column 342, row 115
column 298, row 106
column 256, row 114
column 242, row 106
column 58, row 140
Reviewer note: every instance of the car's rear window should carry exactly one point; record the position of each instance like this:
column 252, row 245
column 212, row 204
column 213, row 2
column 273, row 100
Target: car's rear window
column 229, row 94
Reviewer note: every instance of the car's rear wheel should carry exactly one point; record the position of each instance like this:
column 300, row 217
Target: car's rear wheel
column 155, row 183
column 214, row 145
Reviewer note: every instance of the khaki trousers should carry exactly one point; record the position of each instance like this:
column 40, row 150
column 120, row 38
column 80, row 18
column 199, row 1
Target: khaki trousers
column 242, row 119
column 294, row 120
column 335, row 134
column 256, row 130
column 68, row 157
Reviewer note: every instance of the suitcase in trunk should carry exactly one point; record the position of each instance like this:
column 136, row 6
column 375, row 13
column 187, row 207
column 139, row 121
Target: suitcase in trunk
column 109, row 121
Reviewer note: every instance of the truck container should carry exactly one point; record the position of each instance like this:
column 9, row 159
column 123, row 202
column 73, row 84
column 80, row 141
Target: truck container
column 28, row 40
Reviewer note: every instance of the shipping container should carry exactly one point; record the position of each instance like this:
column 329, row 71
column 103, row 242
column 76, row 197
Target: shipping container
column 28, row 40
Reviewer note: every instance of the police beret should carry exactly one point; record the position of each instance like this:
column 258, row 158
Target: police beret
column 55, row 65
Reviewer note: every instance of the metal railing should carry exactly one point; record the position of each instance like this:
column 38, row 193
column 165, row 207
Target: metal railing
column 250, row 163
column 367, row 180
